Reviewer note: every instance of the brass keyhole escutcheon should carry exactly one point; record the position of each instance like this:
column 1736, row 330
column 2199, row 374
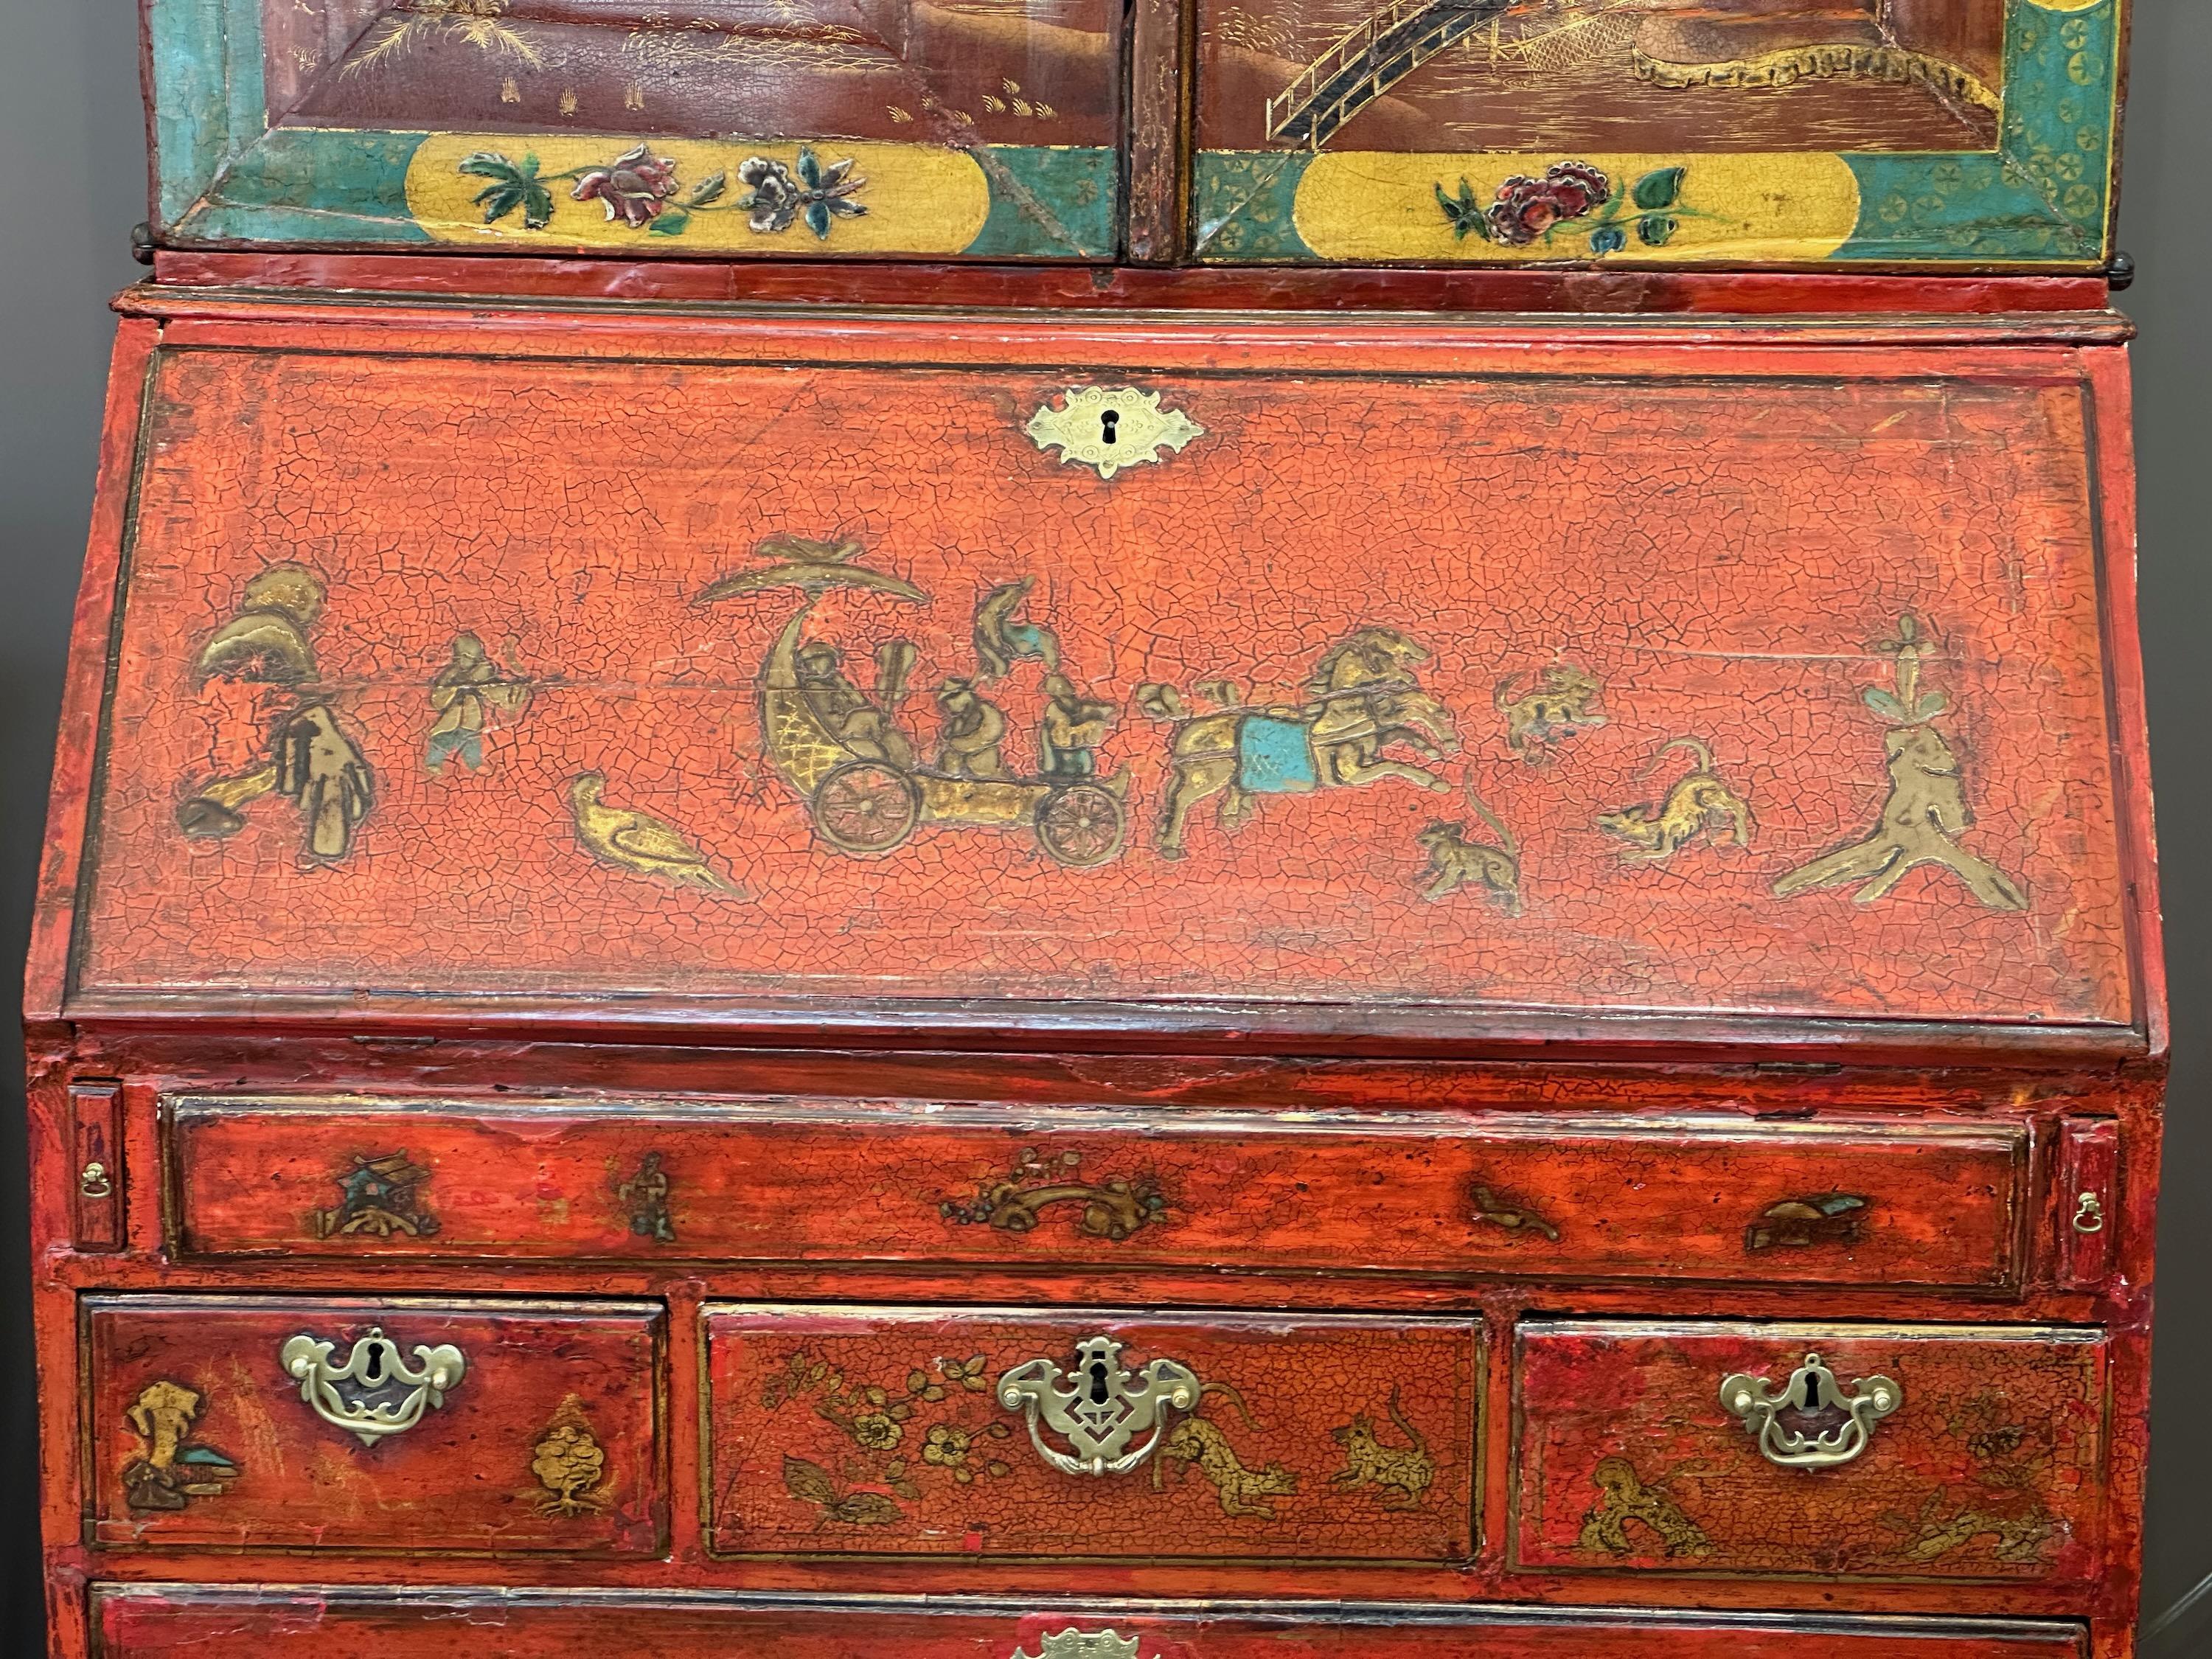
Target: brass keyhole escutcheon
column 2089, row 1214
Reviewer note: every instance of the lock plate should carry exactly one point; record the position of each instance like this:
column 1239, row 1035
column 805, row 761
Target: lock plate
column 1110, row 427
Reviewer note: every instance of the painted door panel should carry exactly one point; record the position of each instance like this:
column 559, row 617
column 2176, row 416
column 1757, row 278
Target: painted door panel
column 548, row 1442
column 868, row 1432
column 1749, row 133
column 1708, row 1198
column 1989, row 1467
column 153, row 1621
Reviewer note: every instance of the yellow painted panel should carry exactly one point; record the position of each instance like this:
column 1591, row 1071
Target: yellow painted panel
column 1377, row 205
column 921, row 198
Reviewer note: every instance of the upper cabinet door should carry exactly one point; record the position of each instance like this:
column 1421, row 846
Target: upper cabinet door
column 1918, row 133
column 797, row 129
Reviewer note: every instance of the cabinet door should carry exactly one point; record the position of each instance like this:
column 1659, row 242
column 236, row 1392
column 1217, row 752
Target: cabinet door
column 797, row 129
column 1750, row 132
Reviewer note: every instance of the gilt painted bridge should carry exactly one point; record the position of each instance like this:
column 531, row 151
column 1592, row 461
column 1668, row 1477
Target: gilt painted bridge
column 1386, row 47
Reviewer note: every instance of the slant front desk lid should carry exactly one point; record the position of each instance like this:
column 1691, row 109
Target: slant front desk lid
column 1308, row 681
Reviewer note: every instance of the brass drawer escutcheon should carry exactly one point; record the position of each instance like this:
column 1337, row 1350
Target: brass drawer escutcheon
column 362, row 1395
column 1072, row 1643
column 1110, row 427
column 1812, row 1391
column 1100, row 1408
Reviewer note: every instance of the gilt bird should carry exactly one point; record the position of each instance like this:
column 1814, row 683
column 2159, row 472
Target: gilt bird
column 638, row 842
column 810, row 565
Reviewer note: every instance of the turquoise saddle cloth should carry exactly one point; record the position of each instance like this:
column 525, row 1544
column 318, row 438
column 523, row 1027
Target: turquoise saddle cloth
column 1273, row 757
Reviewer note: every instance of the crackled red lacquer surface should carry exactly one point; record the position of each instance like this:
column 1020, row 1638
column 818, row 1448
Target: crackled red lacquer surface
column 367, row 1624
column 1993, row 1468
column 195, row 1387
column 1553, row 1197
column 1730, row 559
column 880, row 1432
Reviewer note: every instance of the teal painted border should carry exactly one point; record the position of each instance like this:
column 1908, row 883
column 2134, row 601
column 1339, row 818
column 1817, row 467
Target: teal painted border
column 209, row 103
column 2046, row 191
column 1059, row 203
column 1242, row 201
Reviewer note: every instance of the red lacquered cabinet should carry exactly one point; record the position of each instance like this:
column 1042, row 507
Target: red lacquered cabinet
column 1000, row 942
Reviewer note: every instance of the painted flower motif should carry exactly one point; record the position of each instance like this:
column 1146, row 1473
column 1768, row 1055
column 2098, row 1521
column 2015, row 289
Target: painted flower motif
column 631, row 186
column 1526, row 208
column 947, row 1448
column 877, row 1430
column 775, row 200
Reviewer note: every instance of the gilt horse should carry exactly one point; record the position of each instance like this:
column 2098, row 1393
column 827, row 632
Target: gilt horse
column 1362, row 701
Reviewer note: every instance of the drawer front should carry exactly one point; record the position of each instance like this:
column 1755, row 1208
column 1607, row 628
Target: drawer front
column 1708, row 1199
column 470, row 1427
column 150, row 1621
column 1097, row 1437
column 1973, row 1456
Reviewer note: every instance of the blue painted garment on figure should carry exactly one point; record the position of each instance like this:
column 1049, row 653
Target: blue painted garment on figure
column 1273, row 757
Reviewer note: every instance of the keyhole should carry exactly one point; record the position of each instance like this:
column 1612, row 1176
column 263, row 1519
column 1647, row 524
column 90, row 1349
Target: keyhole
column 1108, row 419
column 373, row 1372
column 1098, row 1372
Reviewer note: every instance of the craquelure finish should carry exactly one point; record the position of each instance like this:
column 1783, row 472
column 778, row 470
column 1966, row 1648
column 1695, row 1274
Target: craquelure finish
column 1723, row 551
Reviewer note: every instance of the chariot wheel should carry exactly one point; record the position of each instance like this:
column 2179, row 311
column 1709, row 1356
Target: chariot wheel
column 1081, row 824
column 865, row 806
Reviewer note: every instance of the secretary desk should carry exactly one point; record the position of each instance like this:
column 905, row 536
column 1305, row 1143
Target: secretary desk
column 1050, row 829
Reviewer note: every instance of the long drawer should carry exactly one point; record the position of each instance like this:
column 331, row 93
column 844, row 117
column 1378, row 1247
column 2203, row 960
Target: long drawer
column 150, row 1621
column 479, row 1427
column 968, row 1432
column 1710, row 1198
column 1856, row 1452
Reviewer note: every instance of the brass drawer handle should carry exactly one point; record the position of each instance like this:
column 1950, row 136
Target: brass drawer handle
column 93, row 1182
column 1073, row 1643
column 1812, row 1392
column 364, row 1396
column 2089, row 1214
column 1100, row 1408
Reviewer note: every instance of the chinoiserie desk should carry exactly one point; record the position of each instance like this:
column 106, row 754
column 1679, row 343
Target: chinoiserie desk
column 1264, row 868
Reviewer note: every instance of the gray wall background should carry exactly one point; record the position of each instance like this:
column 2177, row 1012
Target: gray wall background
column 72, row 185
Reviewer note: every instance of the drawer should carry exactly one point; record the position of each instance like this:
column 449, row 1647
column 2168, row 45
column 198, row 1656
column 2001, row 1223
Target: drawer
column 1898, row 1454
column 1089, row 1436
column 388, row 1425
column 1560, row 1195
column 150, row 1621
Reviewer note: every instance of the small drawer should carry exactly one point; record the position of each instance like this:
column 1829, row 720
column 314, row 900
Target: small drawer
column 1551, row 1195
column 1090, row 1436
column 156, row 1621
column 1836, row 1451
column 386, row 1425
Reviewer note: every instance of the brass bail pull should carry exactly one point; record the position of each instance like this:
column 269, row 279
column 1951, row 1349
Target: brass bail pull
column 1098, row 1407
column 1810, row 1422
column 376, row 1392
